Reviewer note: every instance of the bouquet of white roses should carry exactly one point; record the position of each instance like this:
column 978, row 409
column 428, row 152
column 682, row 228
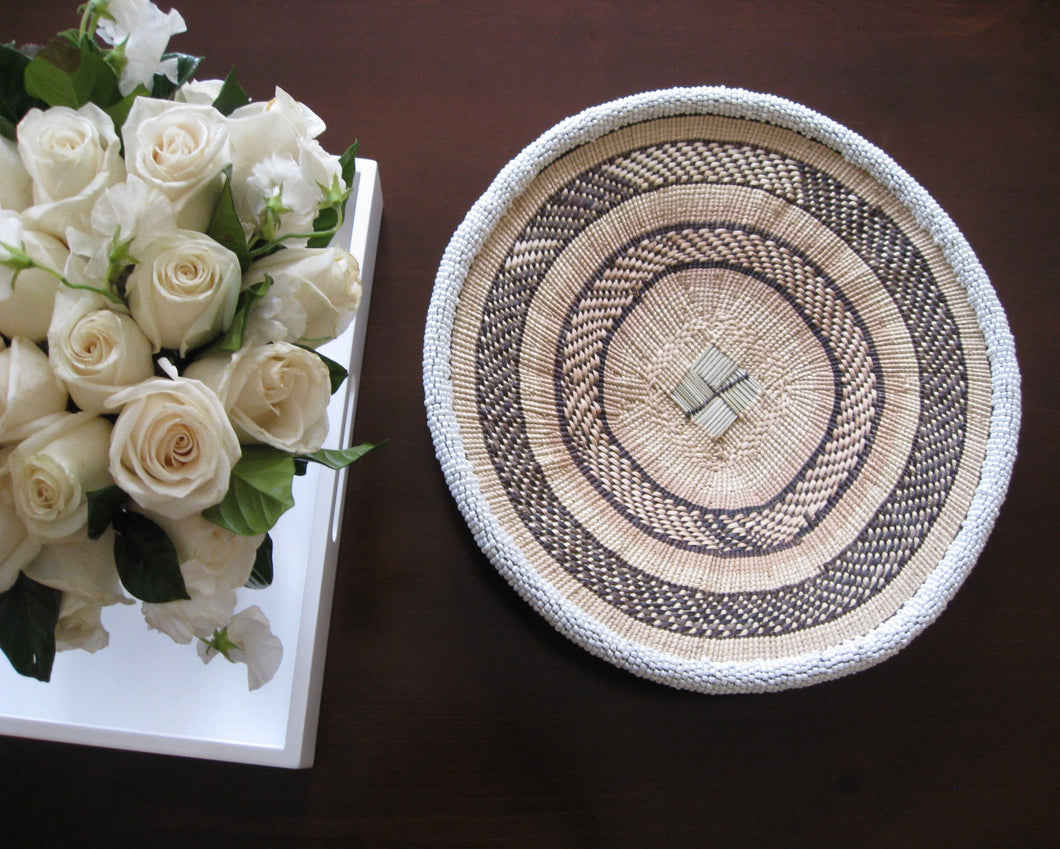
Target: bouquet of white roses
column 165, row 278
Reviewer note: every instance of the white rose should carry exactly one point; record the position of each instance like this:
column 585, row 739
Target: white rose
column 276, row 157
column 95, row 349
column 305, row 123
column 144, row 31
column 10, row 241
column 28, row 311
column 82, row 567
column 30, row 394
column 72, row 156
column 180, row 149
column 275, row 394
column 17, row 547
column 198, row 616
column 184, row 290
column 53, row 471
column 211, row 558
column 80, row 625
column 69, row 153
column 173, row 447
column 203, row 92
column 16, row 186
column 83, row 570
column 314, row 295
column 250, row 641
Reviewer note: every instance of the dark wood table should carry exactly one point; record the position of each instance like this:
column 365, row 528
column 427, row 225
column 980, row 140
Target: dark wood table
column 452, row 714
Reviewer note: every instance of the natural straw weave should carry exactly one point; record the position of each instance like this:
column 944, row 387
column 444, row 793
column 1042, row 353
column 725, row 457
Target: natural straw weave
column 720, row 390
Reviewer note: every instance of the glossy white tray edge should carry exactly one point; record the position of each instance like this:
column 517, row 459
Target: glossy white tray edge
column 146, row 693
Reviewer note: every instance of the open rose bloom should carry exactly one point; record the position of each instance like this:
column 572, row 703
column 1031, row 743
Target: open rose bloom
column 163, row 283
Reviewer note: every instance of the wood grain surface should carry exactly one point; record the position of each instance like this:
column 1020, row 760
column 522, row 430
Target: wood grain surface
column 452, row 714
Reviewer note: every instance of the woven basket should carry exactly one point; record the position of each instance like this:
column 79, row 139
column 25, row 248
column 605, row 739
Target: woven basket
column 720, row 390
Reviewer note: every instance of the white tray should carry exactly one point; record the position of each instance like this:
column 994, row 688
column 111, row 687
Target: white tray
column 147, row 693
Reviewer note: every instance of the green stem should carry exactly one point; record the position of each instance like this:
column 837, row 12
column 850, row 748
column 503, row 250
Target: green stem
column 86, row 16
column 110, row 296
column 21, row 261
column 272, row 244
column 89, row 20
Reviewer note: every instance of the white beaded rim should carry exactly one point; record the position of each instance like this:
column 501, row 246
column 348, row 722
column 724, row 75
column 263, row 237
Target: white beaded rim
column 863, row 651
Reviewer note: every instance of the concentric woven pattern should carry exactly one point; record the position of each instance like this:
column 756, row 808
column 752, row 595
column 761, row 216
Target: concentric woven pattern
column 720, row 390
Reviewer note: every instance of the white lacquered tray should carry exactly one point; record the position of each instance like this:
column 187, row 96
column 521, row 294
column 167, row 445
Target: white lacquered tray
column 147, row 693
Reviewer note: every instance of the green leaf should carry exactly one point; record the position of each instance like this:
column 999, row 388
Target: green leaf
column 146, row 559
column 348, row 163
column 163, row 87
column 73, row 36
column 340, row 458
column 232, row 338
column 336, row 371
column 15, row 102
column 120, row 110
column 325, row 222
column 261, row 574
column 225, row 226
column 28, row 613
column 64, row 75
column 231, row 96
column 103, row 504
column 187, row 65
column 259, row 491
